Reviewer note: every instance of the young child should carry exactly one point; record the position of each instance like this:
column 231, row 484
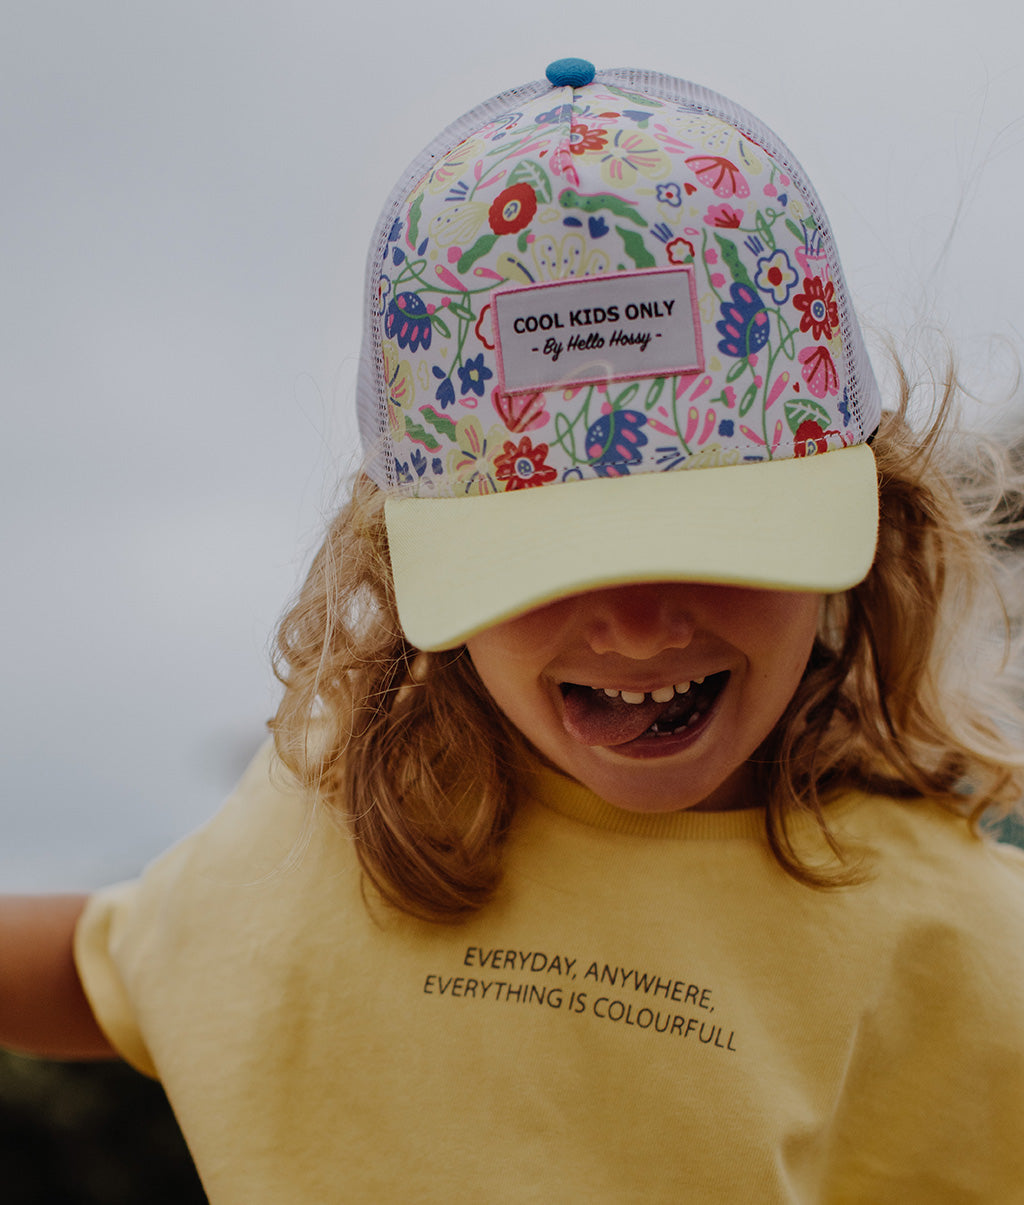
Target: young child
column 615, row 841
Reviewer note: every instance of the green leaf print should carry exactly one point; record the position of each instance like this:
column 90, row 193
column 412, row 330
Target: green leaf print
column 530, row 172
column 417, row 433
column 635, row 249
column 732, row 261
column 765, row 231
column 440, row 422
column 654, row 392
column 414, row 220
column 482, row 245
column 799, row 409
column 569, row 198
column 748, row 399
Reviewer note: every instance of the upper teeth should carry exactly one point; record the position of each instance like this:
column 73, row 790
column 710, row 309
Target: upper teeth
column 663, row 694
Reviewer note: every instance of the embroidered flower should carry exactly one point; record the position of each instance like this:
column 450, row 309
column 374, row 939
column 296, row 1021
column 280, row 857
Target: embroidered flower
column 721, row 175
column 407, row 321
column 724, row 217
column 587, row 138
column 817, row 304
column 818, row 371
column 671, row 194
column 776, row 276
column 474, row 375
column 744, row 324
column 522, row 466
column 512, row 210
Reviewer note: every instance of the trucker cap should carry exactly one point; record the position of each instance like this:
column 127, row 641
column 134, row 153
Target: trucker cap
column 608, row 339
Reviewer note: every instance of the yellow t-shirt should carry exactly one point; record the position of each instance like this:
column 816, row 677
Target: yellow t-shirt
column 651, row 1010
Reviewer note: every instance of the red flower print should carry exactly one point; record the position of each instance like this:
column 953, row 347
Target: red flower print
column 723, row 177
column 724, row 217
column 586, row 138
column 485, row 327
column 810, row 438
column 522, row 466
column 513, row 209
column 818, row 306
column 818, row 371
column 680, row 251
column 521, row 412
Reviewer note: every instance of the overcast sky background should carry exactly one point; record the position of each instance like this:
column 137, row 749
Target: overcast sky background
column 188, row 191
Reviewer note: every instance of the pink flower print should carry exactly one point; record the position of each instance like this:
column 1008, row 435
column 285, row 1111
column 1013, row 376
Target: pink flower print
column 817, row 305
column 721, row 175
column 562, row 164
column 522, row 466
column 521, row 412
column 724, row 217
column 680, row 251
column 819, row 371
column 776, row 276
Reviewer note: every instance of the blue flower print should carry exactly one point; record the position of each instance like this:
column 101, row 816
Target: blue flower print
column 725, row 428
column 474, row 375
column 445, row 392
column 744, row 325
column 408, row 322
column 776, row 276
column 671, row 194
column 614, row 441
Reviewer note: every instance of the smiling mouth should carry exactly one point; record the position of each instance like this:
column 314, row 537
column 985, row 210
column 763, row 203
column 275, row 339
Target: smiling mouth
column 611, row 717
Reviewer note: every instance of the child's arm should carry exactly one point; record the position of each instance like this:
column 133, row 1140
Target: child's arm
column 43, row 1009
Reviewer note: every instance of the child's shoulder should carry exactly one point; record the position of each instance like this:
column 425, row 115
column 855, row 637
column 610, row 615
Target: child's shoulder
column 928, row 855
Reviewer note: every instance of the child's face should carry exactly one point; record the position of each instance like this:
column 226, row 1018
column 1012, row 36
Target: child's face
column 550, row 670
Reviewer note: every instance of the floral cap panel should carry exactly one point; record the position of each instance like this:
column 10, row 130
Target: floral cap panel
column 601, row 282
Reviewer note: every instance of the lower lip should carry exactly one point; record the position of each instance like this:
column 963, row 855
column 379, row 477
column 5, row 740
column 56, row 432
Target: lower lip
column 646, row 747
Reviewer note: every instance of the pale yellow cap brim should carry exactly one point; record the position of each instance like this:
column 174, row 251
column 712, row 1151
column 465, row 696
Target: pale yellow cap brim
column 463, row 564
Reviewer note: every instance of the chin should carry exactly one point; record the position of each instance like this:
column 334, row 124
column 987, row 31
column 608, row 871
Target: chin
column 653, row 790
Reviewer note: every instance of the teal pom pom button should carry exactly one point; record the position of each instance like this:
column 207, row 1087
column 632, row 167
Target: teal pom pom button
column 570, row 73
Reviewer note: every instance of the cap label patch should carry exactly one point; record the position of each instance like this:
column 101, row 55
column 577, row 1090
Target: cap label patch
column 597, row 328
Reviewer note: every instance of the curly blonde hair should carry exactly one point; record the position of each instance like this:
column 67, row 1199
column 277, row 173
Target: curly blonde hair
column 901, row 695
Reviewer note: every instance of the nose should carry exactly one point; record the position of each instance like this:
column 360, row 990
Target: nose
column 638, row 621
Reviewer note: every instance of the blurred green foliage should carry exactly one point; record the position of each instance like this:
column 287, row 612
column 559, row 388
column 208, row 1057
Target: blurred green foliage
column 89, row 1134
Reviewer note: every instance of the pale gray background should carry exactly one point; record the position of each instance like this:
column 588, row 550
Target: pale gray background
column 187, row 191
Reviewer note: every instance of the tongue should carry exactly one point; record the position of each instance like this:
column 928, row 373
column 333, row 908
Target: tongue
column 593, row 718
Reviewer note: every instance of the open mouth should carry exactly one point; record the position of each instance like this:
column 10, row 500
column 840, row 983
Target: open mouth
column 611, row 717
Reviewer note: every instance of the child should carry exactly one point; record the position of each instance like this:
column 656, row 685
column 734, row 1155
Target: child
column 615, row 842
